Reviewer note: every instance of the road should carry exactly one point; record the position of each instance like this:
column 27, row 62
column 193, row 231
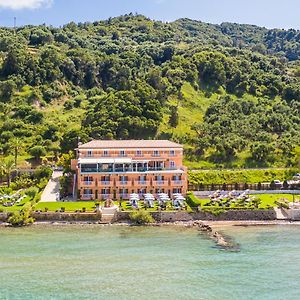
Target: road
column 52, row 188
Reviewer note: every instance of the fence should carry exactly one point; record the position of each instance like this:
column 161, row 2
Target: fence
column 245, row 186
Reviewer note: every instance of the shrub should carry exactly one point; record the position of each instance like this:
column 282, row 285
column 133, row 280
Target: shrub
column 192, row 200
column 285, row 185
column 214, row 210
column 141, row 217
column 42, row 172
column 37, row 152
column 32, row 191
column 23, row 217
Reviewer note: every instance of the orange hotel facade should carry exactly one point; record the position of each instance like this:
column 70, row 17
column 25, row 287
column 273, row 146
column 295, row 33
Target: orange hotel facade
column 116, row 168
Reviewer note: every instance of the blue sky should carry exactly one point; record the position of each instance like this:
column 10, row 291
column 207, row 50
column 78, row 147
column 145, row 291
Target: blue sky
column 268, row 13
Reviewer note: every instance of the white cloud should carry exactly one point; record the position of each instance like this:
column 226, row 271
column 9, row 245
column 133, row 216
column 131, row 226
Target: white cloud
column 21, row 4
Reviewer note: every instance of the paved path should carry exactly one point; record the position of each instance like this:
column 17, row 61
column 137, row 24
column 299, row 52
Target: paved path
column 52, row 188
column 281, row 214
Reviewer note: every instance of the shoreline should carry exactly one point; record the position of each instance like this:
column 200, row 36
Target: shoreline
column 175, row 224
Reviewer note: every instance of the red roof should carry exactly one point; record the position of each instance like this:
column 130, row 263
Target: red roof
column 125, row 144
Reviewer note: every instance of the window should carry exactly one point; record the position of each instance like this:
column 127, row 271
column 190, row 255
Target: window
column 87, row 192
column 155, row 153
column 172, row 152
column 105, row 153
column 172, row 164
column 90, row 153
column 138, row 153
column 122, row 153
column 123, row 179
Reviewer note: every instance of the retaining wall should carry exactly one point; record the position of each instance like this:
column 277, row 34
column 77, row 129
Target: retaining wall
column 83, row 217
column 231, row 215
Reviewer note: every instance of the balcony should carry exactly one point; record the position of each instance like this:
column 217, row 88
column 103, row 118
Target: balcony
column 105, row 196
column 177, row 182
column 109, row 170
column 89, row 170
column 124, row 183
column 87, row 196
column 105, row 183
column 160, row 182
column 156, row 168
column 141, row 182
column 87, row 183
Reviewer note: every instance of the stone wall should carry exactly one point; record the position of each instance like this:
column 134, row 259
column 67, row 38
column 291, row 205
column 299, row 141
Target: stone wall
column 237, row 215
column 231, row 215
column 68, row 217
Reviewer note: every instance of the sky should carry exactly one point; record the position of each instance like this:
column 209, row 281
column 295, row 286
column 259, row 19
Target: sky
column 267, row 13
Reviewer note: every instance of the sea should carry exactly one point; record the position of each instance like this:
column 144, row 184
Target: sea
column 169, row 262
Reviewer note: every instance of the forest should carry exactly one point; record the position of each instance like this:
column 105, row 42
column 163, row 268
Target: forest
column 230, row 93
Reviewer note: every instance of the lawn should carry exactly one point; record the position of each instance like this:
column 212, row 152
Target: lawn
column 68, row 206
column 16, row 207
column 267, row 200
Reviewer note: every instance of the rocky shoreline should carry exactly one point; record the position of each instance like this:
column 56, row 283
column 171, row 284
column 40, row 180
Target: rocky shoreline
column 176, row 223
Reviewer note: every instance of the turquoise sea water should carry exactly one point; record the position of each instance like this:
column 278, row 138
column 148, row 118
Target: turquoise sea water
column 96, row 262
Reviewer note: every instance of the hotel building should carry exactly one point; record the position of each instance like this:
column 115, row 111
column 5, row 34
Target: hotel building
column 115, row 169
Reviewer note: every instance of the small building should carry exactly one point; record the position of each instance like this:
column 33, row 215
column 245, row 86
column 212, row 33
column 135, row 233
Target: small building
column 116, row 168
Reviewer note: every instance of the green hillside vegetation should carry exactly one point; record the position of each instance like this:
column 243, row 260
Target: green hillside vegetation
column 239, row 176
column 230, row 93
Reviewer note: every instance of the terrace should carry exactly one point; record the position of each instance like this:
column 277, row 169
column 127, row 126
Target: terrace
column 122, row 166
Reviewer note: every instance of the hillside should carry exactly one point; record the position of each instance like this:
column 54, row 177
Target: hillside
column 229, row 92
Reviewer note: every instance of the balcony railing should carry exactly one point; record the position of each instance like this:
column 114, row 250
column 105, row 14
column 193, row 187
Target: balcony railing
column 89, row 170
column 88, row 183
column 124, row 183
column 105, row 196
column 160, row 182
column 156, row 169
column 87, row 196
column 105, row 182
column 109, row 170
column 133, row 169
column 142, row 182
column 177, row 182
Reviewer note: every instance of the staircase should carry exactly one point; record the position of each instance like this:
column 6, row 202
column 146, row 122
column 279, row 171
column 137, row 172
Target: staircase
column 281, row 214
column 108, row 214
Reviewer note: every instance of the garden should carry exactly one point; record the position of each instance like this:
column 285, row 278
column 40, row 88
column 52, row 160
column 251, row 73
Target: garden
column 218, row 203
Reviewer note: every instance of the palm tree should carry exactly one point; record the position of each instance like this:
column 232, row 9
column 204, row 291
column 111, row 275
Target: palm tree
column 7, row 166
column 16, row 144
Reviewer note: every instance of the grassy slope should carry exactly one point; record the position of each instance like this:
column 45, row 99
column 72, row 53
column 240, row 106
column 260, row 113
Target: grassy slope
column 239, row 176
column 191, row 110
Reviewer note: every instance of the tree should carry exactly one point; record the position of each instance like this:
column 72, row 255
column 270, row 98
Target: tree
column 37, row 152
column 16, row 144
column 261, row 151
column 7, row 166
column 173, row 121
